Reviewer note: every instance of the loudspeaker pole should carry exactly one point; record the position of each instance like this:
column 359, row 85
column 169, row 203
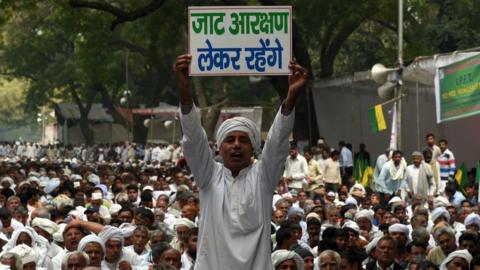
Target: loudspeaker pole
column 399, row 88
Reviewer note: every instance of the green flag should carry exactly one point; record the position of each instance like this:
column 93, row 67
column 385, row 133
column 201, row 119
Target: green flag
column 359, row 169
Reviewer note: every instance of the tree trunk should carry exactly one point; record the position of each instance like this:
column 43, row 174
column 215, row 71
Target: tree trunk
column 218, row 100
column 84, row 111
column 210, row 115
column 307, row 129
column 107, row 101
column 85, row 128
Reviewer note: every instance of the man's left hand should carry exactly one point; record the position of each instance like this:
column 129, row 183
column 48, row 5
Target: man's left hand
column 296, row 81
column 298, row 78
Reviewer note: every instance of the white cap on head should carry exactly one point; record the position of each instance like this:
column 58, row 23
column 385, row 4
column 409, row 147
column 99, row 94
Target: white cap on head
column 243, row 124
column 464, row 254
column 440, row 212
column 472, row 218
column 282, row 255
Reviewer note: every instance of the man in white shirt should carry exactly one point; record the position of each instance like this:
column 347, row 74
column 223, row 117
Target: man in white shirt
column 346, row 162
column 315, row 173
column 325, row 154
column 236, row 196
column 381, row 160
column 296, row 169
column 156, row 154
column 331, row 175
column 419, row 178
column 139, row 246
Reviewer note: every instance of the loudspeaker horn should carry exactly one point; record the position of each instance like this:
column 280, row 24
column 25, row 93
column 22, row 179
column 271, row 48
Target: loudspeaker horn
column 386, row 90
column 380, row 72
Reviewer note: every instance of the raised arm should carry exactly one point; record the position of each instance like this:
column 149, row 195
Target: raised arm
column 195, row 144
column 276, row 145
column 86, row 225
column 181, row 72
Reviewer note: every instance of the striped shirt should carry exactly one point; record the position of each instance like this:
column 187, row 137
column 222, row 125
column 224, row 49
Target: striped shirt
column 446, row 160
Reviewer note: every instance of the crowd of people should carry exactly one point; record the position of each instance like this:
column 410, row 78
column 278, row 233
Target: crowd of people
column 72, row 212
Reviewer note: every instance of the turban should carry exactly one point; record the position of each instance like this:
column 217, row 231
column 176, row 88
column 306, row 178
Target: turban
column 90, row 239
column 456, row 254
column 352, row 225
column 13, row 240
column 111, row 233
column 94, row 179
column 34, row 179
column 282, row 255
column 417, row 154
column 58, row 235
column 397, row 205
column 51, row 185
column 103, row 188
column 23, row 183
column 439, row 212
column 395, row 199
column 185, row 222
column 340, row 204
column 76, row 177
column 33, row 173
column 8, row 179
column 239, row 124
column 295, row 211
column 440, row 201
column 357, row 190
column 45, row 224
column 127, row 229
column 351, row 200
column 43, row 181
column 114, row 209
column 26, row 253
column 331, row 194
column 371, row 246
column 62, row 200
column 364, row 214
column 358, row 193
column 303, row 252
column 313, row 216
column 401, row 228
column 472, row 219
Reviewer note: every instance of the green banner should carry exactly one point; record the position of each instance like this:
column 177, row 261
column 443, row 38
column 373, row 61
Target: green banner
column 457, row 89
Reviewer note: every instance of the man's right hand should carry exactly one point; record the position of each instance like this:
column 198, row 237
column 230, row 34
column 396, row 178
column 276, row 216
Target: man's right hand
column 181, row 70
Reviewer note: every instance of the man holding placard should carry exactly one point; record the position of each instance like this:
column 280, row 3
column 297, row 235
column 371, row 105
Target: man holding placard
column 236, row 196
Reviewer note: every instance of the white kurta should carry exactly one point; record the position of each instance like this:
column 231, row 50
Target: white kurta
column 234, row 228
column 297, row 168
column 411, row 180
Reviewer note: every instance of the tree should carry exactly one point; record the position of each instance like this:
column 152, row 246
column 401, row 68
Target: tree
column 61, row 58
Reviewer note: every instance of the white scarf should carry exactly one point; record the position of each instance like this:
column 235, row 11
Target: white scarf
column 424, row 175
column 397, row 173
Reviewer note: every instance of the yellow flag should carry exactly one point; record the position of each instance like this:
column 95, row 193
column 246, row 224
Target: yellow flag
column 367, row 176
column 380, row 119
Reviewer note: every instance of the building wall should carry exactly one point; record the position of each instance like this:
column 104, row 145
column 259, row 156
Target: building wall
column 342, row 114
column 102, row 133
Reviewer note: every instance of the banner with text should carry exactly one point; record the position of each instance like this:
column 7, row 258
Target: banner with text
column 457, row 89
column 240, row 40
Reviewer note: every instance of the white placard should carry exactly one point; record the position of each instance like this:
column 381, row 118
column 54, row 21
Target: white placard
column 240, row 40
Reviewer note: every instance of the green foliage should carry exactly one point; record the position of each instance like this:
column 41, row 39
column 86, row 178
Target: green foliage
column 53, row 46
